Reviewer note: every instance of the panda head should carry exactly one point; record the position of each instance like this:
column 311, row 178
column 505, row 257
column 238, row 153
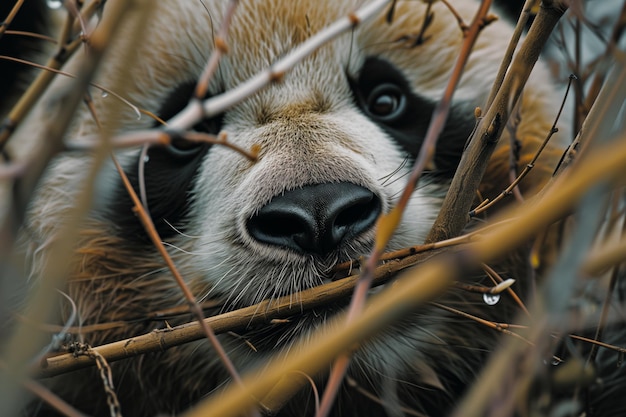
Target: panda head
column 337, row 136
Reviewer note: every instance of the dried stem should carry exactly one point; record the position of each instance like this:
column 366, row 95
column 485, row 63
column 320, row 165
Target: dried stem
column 454, row 212
column 220, row 48
column 388, row 223
column 486, row 204
column 258, row 314
column 195, row 110
column 41, row 83
column 7, row 22
column 195, row 308
column 520, row 27
column 490, row 324
column 425, row 282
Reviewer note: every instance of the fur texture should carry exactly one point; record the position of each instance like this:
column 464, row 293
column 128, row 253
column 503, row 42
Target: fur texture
column 317, row 126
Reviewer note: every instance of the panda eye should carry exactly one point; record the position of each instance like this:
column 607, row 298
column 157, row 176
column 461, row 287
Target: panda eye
column 183, row 149
column 180, row 149
column 386, row 102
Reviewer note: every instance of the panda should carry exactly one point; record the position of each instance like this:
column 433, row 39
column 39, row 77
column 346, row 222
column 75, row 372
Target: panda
column 336, row 137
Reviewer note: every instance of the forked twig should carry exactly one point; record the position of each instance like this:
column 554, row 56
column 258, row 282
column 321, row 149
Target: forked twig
column 220, row 48
column 453, row 217
column 493, row 325
column 486, row 204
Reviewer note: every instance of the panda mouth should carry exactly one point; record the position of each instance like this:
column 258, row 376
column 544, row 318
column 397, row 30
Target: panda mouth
column 313, row 307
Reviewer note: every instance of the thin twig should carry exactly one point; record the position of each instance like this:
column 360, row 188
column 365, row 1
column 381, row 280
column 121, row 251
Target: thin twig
column 462, row 25
column 195, row 308
column 488, row 323
column 423, row 283
column 160, row 138
column 195, row 111
column 41, row 83
column 387, row 223
column 51, row 399
column 414, row 250
column 598, row 343
column 453, row 215
column 498, row 279
column 220, row 48
column 31, row 35
column 70, row 75
column 9, row 19
column 520, row 27
column 600, row 120
column 486, row 204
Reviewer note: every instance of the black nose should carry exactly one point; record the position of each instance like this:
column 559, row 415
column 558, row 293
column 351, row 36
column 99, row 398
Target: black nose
column 316, row 218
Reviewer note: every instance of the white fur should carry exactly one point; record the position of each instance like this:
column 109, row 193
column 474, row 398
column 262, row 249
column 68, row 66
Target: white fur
column 299, row 144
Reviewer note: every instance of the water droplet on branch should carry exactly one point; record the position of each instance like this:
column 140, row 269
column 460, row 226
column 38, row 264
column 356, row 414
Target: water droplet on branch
column 54, row 4
column 491, row 299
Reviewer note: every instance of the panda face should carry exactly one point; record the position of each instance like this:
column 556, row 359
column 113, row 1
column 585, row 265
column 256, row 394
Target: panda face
column 337, row 137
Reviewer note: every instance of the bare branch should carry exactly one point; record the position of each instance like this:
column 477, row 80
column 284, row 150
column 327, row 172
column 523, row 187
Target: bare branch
column 387, row 223
column 453, row 215
column 423, row 283
column 195, row 111
column 7, row 22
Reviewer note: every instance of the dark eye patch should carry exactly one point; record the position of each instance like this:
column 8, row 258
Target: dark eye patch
column 169, row 174
column 384, row 94
column 180, row 148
